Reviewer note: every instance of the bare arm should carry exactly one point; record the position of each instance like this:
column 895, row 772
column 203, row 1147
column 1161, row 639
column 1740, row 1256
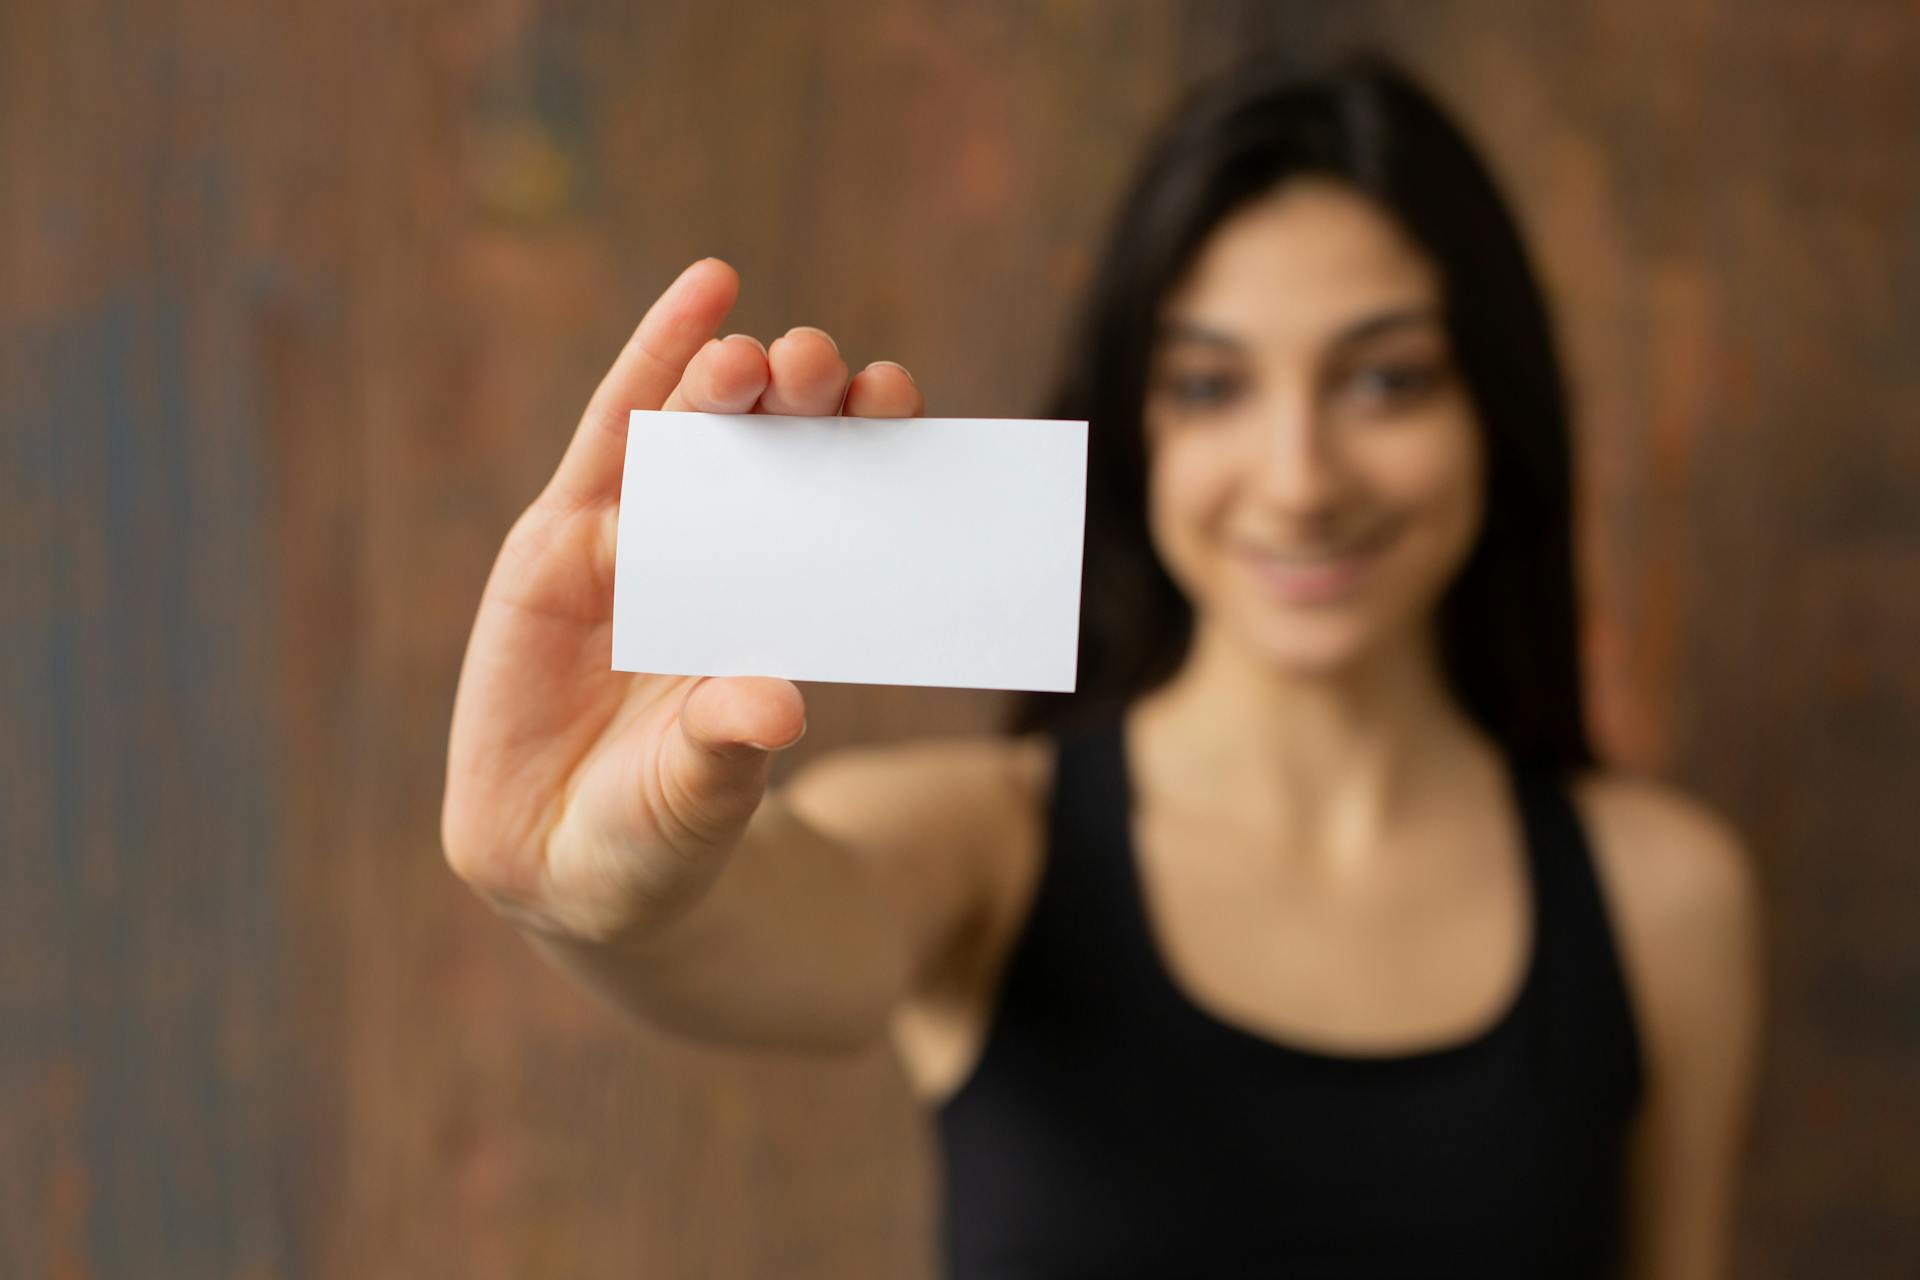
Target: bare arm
column 1684, row 894
column 794, row 947
column 852, row 881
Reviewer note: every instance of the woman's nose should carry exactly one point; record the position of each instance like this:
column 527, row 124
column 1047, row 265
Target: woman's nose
column 1296, row 464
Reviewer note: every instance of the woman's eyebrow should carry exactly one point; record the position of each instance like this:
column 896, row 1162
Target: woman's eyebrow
column 1188, row 331
column 1196, row 334
column 1385, row 322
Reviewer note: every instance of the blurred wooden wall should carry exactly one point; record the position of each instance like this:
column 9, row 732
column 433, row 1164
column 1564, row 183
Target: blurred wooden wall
column 298, row 305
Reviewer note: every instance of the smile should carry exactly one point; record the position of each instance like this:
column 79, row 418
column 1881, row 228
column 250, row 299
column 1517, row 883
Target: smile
column 1319, row 577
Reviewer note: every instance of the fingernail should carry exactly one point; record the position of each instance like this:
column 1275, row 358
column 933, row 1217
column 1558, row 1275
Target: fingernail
column 822, row 332
column 694, row 266
column 761, row 746
column 896, row 365
column 750, row 338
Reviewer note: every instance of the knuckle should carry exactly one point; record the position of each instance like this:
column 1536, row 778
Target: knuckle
column 484, row 863
column 476, row 867
column 721, row 800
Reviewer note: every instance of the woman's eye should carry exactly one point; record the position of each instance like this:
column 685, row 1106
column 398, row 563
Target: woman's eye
column 1200, row 391
column 1392, row 384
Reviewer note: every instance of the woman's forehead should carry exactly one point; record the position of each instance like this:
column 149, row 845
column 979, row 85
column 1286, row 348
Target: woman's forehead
column 1313, row 259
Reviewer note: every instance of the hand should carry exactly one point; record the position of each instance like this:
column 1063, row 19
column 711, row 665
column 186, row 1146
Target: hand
column 595, row 804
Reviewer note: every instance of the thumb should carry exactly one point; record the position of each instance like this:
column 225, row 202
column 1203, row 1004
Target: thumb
column 722, row 713
column 720, row 748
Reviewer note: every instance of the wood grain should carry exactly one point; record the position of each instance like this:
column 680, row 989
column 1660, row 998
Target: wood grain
column 299, row 304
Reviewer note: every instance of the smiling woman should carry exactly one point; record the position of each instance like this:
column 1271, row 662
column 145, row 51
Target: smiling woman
column 1328, row 491
column 1304, row 937
column 1403, row 985
column 1196, row 317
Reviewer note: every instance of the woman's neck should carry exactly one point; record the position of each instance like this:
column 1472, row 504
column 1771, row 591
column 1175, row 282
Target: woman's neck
column 1333, row 759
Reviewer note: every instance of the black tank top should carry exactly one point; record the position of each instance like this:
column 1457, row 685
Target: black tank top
column 1114, row 1129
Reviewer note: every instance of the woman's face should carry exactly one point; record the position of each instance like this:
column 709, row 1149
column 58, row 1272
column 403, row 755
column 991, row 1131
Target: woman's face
column 1315, row 463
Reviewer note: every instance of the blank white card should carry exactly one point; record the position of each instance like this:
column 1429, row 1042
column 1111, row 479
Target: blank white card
column 912, row 551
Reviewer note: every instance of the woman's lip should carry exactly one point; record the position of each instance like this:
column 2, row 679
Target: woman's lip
column 1315, row 579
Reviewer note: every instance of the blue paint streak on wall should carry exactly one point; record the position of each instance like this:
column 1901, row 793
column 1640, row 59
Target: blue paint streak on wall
column 139, row 680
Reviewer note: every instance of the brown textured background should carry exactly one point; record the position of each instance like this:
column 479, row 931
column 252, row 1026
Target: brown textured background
column 297, row 306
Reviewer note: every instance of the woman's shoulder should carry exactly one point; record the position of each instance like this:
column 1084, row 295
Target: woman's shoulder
column 957, row 816
column 1683, row 894
column 1672, row 861
column 954, row 828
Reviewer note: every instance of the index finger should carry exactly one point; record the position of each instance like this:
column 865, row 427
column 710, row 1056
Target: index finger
column 648, row 368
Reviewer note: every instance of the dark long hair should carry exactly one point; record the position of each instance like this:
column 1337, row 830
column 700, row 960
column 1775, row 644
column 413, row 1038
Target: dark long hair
column 1508, row 626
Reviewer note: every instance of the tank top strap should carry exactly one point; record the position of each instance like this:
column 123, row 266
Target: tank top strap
column 1086, row 887
column 1585, row 1008
column 1083, row 811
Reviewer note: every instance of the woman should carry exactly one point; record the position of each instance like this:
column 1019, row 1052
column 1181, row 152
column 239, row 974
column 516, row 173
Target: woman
column 1306, row 938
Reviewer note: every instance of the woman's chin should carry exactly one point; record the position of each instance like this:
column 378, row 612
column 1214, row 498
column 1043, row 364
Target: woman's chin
column 1310, row 647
